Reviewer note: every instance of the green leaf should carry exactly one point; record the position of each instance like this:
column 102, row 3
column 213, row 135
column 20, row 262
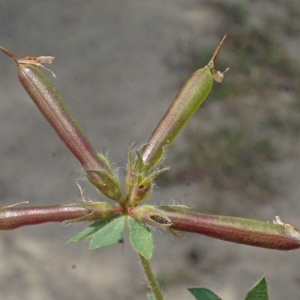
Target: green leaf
column 259, row 291
column 140, row 237
column 110, row 234
column 203, row 294
column 91, row 230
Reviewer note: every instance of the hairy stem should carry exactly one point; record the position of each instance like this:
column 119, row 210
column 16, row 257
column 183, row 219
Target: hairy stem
column 153, row 284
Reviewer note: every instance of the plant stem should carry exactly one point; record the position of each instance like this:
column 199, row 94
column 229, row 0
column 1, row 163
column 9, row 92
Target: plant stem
column 153, row 284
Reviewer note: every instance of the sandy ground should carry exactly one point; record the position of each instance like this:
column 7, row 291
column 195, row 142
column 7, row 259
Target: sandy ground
column 110, row 67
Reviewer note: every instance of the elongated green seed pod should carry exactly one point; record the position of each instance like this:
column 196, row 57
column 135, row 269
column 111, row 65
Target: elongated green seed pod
column 139, row 179
column 190, row 97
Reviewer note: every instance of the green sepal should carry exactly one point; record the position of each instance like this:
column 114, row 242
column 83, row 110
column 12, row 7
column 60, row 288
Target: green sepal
column 140, row 193
column 108, row 184
column 106, row 163
column 175, row 233
column 149, row 167
column 140, row 237
column 139, row 179
column 153, row 175
column 139, row 165
column 97, row 210
column 143, row 187
column 110, row 234
column 151, row 215
column 130, row 177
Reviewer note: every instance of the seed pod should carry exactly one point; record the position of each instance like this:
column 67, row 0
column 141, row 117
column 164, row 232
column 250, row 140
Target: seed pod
column 14, row 217
column 278, row 236
column 190, row 97
column 55, row 110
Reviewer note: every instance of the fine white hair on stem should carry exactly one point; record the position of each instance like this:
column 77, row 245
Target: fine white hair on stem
column 134, row 148
column 173, row 202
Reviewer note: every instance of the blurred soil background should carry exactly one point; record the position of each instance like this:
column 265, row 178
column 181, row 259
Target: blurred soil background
column 119, row 64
